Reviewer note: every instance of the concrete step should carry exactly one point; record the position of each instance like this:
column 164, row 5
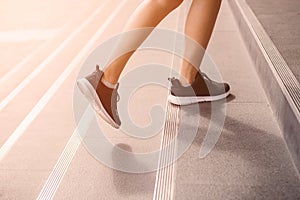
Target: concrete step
column 22, row 99
column 43, row 154
column 35, row 136
column 280, row 84
column 249, row 158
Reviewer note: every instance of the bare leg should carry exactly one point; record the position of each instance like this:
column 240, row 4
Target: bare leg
column 199, row 26
column 148, row 14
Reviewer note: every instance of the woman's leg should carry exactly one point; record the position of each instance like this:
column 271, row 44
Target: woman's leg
column 148, row 14
column 199, row 26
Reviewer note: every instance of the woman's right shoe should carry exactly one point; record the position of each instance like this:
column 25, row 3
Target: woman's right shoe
column 203, row 89
column 102, row 99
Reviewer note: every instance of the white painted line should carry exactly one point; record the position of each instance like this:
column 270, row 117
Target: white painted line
column 49, row 189
column 27, row 35
column 52, row 56
column 60, row 168
column 26, row 60
column 51, row 91
column 181, row 20
column 19, row 66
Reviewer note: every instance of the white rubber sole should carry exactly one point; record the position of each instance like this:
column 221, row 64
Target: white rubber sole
column 181, row 101
column 89, row 92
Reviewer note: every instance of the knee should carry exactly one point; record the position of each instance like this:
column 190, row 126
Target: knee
column 169, row 4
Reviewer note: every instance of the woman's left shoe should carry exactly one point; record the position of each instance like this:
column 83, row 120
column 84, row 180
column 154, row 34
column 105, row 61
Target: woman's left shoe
column 102, row 99
column 203, row 89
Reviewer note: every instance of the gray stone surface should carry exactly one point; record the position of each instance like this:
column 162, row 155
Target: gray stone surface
column 250, row 159
column 21, row 184
column 88, row 179
column 213, row 192
column 249, row 162
column 281, row 20
column 283, row 108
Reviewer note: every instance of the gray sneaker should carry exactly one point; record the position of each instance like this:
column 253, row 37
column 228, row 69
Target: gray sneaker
column 203, row 89
column 102, row 99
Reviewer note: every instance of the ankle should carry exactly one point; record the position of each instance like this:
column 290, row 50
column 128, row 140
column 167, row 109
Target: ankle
column 187, row 80
column 108, row 78
column 188, row 75
column 108, row 84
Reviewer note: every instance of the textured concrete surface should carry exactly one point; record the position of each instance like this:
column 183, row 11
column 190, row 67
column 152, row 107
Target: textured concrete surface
column 281, row 20
column 27, row 165
column 250, row 154
column 285, row 110
column 250, row 159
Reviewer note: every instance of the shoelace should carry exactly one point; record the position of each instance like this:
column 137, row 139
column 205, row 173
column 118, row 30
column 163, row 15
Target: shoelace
column 116, row 98
column 116, row 89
